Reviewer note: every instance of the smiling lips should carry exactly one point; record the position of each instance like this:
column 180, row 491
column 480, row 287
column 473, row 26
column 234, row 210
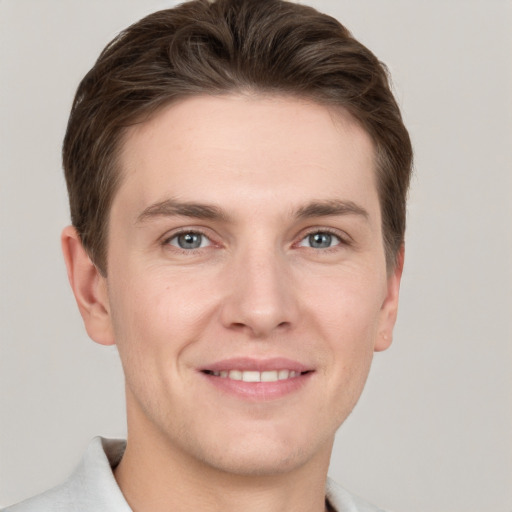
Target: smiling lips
column 255, row 379
column 256, row 376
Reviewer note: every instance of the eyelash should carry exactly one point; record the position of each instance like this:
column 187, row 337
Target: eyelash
column 343, row 240
column 167, row 240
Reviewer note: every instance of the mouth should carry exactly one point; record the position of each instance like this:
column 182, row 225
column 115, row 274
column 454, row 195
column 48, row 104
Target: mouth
column 256, row 376
column 254, row 379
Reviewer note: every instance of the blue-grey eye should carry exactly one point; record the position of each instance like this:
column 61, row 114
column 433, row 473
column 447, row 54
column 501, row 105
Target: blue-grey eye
column 189, row 240
column 320, row 240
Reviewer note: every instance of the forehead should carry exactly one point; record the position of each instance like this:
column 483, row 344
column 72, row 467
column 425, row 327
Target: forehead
column 251, row 146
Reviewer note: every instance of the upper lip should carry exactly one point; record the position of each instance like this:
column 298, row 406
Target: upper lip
column 260, row 365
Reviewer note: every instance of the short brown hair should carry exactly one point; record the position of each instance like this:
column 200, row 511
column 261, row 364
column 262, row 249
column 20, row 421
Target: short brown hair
column 204, row 47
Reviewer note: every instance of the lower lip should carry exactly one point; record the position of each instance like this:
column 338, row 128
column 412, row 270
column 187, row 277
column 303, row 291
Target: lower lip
column 258, row 391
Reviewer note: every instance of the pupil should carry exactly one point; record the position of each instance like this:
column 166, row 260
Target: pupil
column 189, row 240
column 320, row 240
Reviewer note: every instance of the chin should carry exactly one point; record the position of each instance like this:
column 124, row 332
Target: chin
column 258, row 454
column 258, row 461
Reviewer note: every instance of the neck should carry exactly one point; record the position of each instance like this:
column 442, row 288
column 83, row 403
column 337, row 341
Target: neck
column 154, row 475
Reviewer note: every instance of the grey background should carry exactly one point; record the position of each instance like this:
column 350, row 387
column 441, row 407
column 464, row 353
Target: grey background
column 433, row 429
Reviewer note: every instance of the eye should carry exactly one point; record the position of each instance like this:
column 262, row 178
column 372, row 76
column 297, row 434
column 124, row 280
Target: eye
column 189, row 240
column 320, row 240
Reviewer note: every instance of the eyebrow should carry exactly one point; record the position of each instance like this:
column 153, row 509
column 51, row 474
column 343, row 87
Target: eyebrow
column 329, row 208
column 172, row 207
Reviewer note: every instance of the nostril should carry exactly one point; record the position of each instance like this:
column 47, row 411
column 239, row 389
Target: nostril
column 239, row 326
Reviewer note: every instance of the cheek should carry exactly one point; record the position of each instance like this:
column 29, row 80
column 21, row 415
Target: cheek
column 347, row 315
column 347, row 309
column 153, row 325
column 155, row 313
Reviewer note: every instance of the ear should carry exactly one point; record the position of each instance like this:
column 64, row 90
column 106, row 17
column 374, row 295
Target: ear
column 389, row 308
column 89, row 288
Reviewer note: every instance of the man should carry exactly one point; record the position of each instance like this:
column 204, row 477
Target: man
column 237, row 174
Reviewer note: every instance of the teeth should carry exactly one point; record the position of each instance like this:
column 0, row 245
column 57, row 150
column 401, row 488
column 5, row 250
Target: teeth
column 255, row 376
column 235, row 375
column 269, row 376
column 251, row 376
column 283, row 374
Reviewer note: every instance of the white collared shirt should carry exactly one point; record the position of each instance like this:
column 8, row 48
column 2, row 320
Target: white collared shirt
column 92, row 487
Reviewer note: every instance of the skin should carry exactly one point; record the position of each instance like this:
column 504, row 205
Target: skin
column 272, row 171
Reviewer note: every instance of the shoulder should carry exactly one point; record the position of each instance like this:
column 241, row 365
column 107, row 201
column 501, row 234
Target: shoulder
column 55, row 500
column 343, row 501
column 92, row 485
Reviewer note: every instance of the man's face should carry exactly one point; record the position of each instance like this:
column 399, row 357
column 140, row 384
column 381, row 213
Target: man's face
column 247, row 285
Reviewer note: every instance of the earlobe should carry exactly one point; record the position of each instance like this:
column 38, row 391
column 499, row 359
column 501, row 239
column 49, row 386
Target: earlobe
column 89, row 288
column 389, row 308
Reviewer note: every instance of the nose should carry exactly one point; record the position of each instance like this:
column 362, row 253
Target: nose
column 259, row 297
